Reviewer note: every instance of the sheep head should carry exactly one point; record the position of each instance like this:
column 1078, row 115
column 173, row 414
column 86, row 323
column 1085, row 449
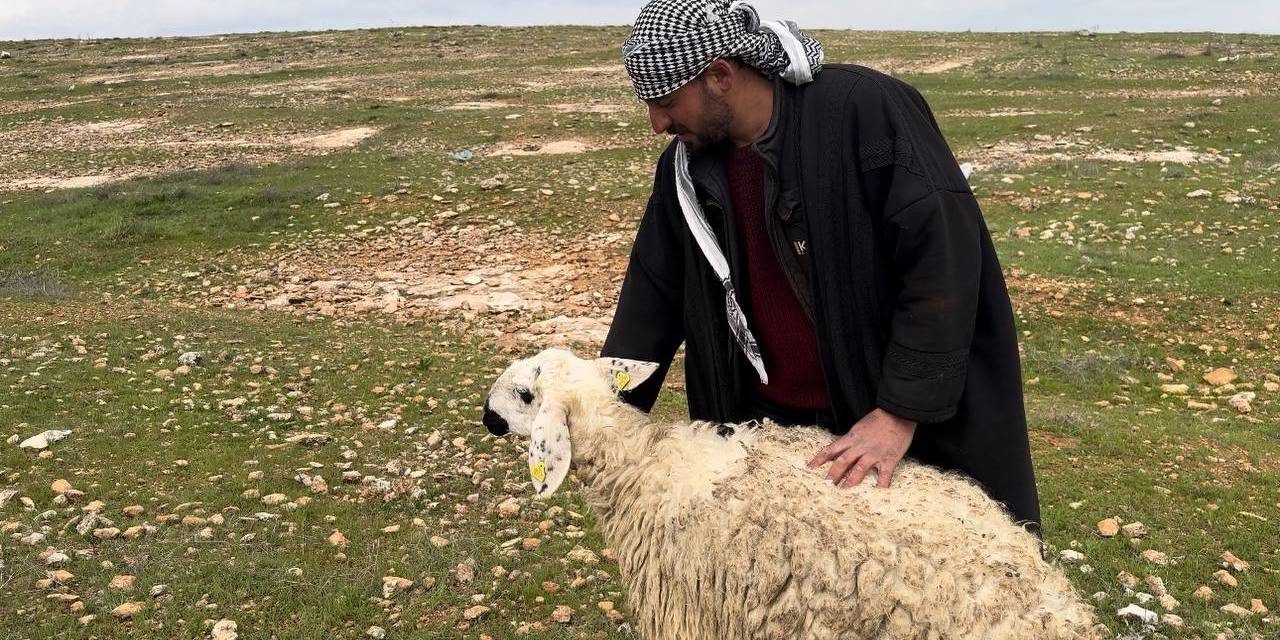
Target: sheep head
column 536, row 397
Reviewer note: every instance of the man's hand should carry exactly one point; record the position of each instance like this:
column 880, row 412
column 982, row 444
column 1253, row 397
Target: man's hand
column 878, row 441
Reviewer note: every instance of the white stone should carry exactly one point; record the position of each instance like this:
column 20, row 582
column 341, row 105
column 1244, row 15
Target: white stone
column 42, row 440
column 1137, row 614
column 224, row 630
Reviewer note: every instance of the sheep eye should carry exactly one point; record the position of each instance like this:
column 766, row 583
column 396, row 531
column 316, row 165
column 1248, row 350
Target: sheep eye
column 525, row 395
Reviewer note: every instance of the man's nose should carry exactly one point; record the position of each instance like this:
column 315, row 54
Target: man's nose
column 658, row 119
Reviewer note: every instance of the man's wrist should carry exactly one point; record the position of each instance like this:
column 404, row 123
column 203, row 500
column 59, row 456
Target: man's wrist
column 903, row 423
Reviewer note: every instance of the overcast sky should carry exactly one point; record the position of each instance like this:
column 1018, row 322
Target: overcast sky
column 22, row 19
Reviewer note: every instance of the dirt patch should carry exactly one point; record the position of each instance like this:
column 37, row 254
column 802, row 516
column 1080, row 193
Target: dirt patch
column 573, row 107
column 998, row 113
column 336, row 139
column 109, row 127
column 524, row 287
column 77, row 182
column 190, row 149
column 946, row 65
column 1006, row 155
column 541, row 149
column 1181, row 155
column 480, row 105
column 211, row 68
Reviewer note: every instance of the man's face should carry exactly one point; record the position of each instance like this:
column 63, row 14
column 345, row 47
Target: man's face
column 693, row 112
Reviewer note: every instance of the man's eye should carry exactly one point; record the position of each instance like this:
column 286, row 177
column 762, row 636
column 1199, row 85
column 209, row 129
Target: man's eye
column 526, row 396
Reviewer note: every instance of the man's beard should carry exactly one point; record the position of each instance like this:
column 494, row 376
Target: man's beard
column 714, row 125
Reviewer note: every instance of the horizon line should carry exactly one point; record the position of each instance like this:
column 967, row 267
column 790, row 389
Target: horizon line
column 86, row 38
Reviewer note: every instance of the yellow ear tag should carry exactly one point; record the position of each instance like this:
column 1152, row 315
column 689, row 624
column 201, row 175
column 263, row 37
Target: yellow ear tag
column 538, row 471
column 621, row 379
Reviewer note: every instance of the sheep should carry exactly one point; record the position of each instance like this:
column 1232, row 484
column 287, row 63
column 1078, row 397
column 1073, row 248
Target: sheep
column 722, row 531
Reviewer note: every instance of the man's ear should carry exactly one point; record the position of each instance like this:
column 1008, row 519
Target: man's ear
column 549, row 449
column 624, row 374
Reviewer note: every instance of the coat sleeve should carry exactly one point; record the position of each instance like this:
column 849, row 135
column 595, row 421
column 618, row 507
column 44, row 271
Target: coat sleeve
column 930, row 230
column 648, row 323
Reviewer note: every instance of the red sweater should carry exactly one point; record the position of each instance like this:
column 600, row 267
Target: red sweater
column 786, row 338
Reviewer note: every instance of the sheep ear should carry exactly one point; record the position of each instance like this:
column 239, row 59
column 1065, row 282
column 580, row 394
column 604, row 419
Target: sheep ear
column 549, row 448
column 624, row 374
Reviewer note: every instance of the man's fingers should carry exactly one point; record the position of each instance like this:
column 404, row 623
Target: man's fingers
column 886, row 470
column 826, row 454
column 842, row 464
column 859, row 472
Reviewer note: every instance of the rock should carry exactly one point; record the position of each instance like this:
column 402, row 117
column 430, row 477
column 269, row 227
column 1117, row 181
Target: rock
column 1156, row 585
column 1127, row 579
column 1242, row 401
column 1225, row 577
column 562, row 614
column 159, row 590
column 1203, row 593
column 464, row 572
column 122, row 583
column 1230, row 561
column 583, row 555
column 60, row 486
column 56, row 558
column 1200, row 406
column 392, row 585
column 1220, row 376
column 337, row 539
column 61, row 576
column 133, row 511
column 509, row 508
column 1200, row 193
column 191, row 359
column 5, row 55
column 1155, row 557
column 1134, row 613
column 32, row 539
column 224, row 629
column 1168, row 602
column 127, row 610
column 1108, row 528
column 1175, row 389
column 7, row 496
column 1134, row 530
column 475, row 612
column 309, row 439
column 273, row 499
column 1235, row 609
column 107, row 533
column 1256, row 606
column 376, row 632
column 438, row 542
column 42, row 440
column 1171, row 620
column 1070, row 556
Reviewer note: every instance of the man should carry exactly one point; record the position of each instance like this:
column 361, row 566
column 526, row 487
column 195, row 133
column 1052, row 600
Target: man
column 813, row 244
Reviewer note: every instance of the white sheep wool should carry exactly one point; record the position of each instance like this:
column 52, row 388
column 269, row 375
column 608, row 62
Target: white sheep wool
column 723, row 532
column 550, row 446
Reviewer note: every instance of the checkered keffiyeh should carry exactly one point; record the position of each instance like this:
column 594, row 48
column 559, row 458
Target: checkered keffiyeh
column 673, row 41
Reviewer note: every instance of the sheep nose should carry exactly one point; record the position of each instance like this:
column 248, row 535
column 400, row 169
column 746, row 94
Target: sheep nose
column 494, row 422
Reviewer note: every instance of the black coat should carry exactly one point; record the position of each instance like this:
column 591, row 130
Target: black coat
column 885, row 248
